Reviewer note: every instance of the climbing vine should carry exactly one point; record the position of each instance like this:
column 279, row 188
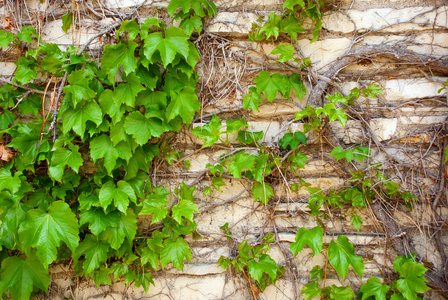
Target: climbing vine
column 76, row 177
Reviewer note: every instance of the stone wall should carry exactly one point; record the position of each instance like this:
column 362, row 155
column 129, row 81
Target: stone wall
column 401, row 45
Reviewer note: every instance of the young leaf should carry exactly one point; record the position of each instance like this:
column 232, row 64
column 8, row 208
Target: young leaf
column 270, row 85
column 175, row 251
column 210, row 132
column 341, row 293
column 264, row 265
column 252, row 99
column 342, row 254
column 312, row 238
column 175, row 41
column 374, row 287
column 292, row 140
column 121, row 195
column 95, row 253
column 262, row 192
column 19, row 276
column 45, row 231
column 356, row 221
column 183, row 104
column 311, row 290
column 116, row 55
column 67, row 21
column 286, row 52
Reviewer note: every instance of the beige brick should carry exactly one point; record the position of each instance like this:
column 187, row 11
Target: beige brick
column 384, row 128
column 7, row 68
column 232, row 22
column 338, row 22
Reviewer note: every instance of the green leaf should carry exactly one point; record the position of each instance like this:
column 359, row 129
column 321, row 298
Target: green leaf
column 361, row 153
column 292, row 26
column 240, row 162
column 252, row 99
column 249, row 137
column 156, row 204
column 262, row 192
column 183, row 104
column 356, row 221
column 297, row 84
column 297, row 161
column 63, row 157
column 412, row 280
column 292, row 140
column 19, row 276
column 6, row 38
column 209, row 132
column 26, row 70
column 175, row 251
column 316, row 273
column 355, row 196
column 342, row 254
column 341, row 293
column 7, row 181
column 235, row 125
column 102, row 147
column 270, row 85
column 67, row 21
column 264, row 265
column 125, row 228
column 261, row 167
column 126, row 92
column 144, row 279
column 286, row 52
column 312, row 238
column 291, row 3
column 372, row 91
column 76, row 119
column 122, row 194
column 190, row 24
column 131, row 27
column 175, row 41
column 175, row 4
column 95, row 253
column 374, row 287
column 151, row 99
column 45, row 231
column 311, row 290
column 143, row 128
column 271, row 28
column 109, row 107
column 116, row 55
column 185, row 208
column 26, row 34
column 98, row 220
